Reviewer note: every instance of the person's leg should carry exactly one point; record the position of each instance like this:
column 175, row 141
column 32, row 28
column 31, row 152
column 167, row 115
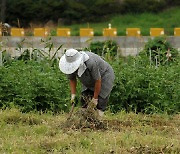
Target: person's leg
column 102, row 103
column 101, row 106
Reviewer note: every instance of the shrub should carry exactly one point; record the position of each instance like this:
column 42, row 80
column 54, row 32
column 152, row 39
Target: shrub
column 143, row 88
column 107, row 49
column 33, row 85
column 140, row 86
column 148, row 82
column 160, row 51
column 139, row 6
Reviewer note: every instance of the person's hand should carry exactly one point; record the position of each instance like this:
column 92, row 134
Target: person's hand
column 73, row 96
column 93, row 103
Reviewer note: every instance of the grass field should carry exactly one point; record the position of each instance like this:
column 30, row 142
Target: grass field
column 126, row 133
column 167, row 20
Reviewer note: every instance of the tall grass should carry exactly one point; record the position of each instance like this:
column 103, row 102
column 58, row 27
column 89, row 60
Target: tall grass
column 166, row 19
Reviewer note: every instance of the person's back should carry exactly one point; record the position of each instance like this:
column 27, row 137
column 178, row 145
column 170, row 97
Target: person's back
column 97, row 68
column 101, row 63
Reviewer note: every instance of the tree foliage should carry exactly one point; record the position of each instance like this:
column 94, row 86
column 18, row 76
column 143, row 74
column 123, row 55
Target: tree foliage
column 70, row 11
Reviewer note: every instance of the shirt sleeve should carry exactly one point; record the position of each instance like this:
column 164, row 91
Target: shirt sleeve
column 71, row 76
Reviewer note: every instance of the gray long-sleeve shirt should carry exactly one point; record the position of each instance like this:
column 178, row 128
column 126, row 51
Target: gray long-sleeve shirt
column 96, row 69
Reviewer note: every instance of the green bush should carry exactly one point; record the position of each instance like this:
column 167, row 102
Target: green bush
column 33, row 85
column 107, row 49
column 144, row 88
column 140, row 86
column 172, row 3
column 139, row 6
column 160, row 51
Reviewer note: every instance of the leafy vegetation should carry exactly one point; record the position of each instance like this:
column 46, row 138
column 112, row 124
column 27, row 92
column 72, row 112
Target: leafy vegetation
column 160, row 51
column 141, row 84
column 107, row 49
column 33, row 81
column 149, row 82
column 140, row 87
column 33, row 85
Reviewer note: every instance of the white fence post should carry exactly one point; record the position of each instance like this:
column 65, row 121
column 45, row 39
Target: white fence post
column 1, row 63
column 1, row 58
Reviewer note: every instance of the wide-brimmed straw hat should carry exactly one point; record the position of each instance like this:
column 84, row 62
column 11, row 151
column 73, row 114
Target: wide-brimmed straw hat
column 70, row 61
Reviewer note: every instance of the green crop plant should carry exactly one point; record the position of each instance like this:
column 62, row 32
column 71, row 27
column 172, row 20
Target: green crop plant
column 160, row 51
column 36, row 83
column 33, row 85
column 33, row 81
column 107, row 49
column 145, row 88
column 5, row 57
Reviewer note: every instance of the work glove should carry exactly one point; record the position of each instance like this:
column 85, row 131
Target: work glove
column 73, row 96
column 93, row 103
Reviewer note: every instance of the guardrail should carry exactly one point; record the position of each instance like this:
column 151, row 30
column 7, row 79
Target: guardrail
column 88, row 32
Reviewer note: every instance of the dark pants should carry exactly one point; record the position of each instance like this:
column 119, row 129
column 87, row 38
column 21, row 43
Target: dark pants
column 87, row 95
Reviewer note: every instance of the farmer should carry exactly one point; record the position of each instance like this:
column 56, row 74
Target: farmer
column 94, row 73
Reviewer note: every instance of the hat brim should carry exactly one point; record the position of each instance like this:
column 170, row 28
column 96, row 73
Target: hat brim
column 69, row 68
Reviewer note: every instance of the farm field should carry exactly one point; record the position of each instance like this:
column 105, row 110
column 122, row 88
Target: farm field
column 143, row 110
column 125, row 133
column 34, row 101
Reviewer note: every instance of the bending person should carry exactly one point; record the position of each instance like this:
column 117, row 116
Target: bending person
column 95, row 74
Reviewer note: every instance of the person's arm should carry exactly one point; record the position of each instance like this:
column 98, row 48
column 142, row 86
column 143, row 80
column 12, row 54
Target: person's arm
column 73, row 83
column 97, row 88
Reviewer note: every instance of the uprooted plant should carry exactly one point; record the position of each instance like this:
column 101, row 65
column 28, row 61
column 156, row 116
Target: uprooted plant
column 85, row 118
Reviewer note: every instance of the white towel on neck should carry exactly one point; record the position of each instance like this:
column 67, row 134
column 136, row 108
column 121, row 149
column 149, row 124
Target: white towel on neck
column 82, row 66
